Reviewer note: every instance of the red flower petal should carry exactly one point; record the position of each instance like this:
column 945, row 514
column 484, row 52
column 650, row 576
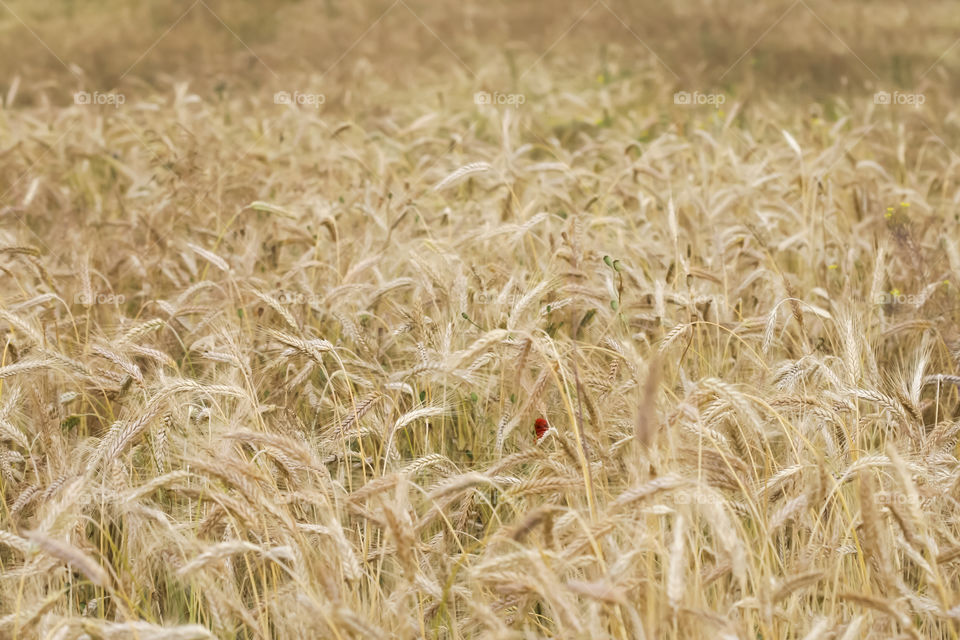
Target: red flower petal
column 540, row 427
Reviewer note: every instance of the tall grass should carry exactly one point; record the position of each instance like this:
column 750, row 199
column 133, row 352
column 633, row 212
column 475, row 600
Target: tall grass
column 272, row 371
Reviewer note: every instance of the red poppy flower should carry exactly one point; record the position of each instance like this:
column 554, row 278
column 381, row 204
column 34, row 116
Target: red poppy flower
column 541, row 427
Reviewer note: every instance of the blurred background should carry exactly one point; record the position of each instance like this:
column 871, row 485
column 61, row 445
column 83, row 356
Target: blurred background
column 812, row 48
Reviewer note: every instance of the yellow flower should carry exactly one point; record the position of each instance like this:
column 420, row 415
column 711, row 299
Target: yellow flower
column 833, row 266
column 895, row 292
column 904, row 204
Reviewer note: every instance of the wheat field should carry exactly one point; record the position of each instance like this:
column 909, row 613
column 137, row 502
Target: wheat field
column 479, row 320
